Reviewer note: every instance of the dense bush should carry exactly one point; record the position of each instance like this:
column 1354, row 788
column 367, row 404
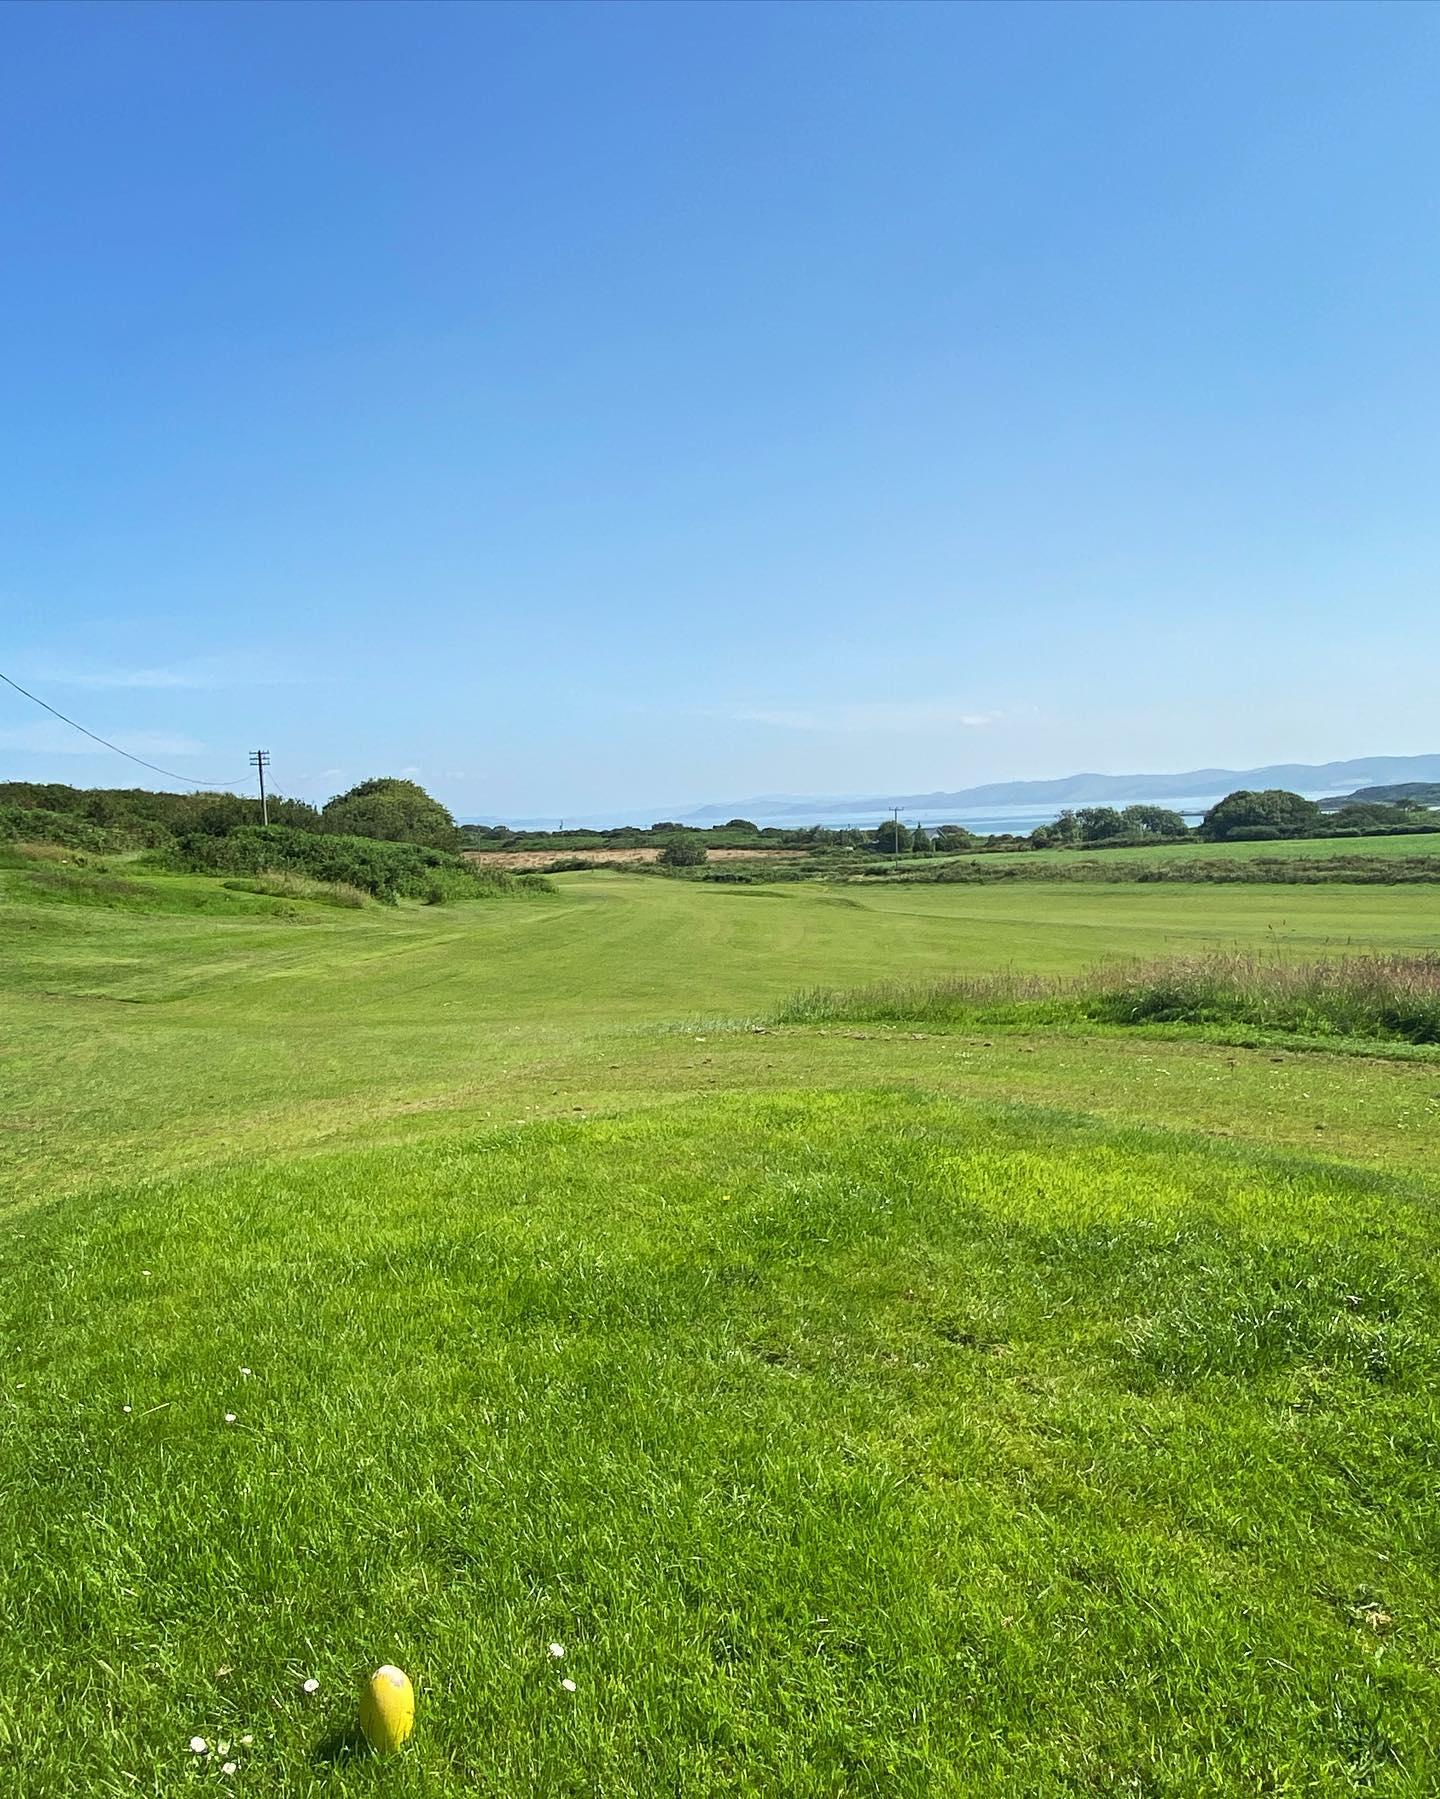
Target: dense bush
column 392, row 811
column 388, row 871
column 683, row 852
column 1272, row 809
column 139, row 818
column 24, row 824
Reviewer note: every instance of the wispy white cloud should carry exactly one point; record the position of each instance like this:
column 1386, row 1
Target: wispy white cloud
column 47, row 739
column 867, row 717
column 410, row 769
column 240, row 670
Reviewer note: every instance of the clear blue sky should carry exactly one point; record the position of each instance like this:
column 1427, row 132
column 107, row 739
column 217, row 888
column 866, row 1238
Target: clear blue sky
column 594, row 406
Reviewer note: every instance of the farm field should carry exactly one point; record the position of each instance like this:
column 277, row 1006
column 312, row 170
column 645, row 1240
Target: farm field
column 862, row 1410
column 537, row 859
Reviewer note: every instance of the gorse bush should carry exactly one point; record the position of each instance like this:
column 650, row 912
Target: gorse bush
column 683, row 852
column 25, row 824
column 1395, row 997
column 386, row 871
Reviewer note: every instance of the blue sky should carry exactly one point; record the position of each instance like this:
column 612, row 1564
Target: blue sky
column 591, row 407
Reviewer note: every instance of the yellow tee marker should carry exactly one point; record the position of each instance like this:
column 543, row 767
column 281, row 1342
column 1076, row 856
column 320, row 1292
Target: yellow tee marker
column 387, row 1709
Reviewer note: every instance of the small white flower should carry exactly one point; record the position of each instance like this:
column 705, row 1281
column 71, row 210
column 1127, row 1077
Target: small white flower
column 569, row 1685
column 144, row 1271
column 310, row 1686
column 244, row 1374
column 557, row 1652
column 229, row 1768
column 222, row 1748
column 125, row 1408
column 229, row 1417
column 198, row 1746
column 246, row 1740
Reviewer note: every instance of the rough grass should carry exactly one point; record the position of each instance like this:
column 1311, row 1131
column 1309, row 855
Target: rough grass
column 284, row 883
column 1368, row 996
column 847, row 1446
column 1309, row 870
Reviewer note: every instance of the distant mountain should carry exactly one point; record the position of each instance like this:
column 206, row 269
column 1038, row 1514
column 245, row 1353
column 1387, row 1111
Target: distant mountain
column 1312, row 778
column 1423, row 793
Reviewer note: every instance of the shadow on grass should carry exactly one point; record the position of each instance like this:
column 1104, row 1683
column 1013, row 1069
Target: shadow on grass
column 346, row 1743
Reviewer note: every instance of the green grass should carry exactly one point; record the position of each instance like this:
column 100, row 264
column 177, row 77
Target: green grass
column 137, row 1040
column 1392, row 998
column 845, row 1447
column 1411, row 843
column 866, row 1410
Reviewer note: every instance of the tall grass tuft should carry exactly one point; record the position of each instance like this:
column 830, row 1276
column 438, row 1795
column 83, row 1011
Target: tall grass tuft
column 1395, row 997
column 284, row 883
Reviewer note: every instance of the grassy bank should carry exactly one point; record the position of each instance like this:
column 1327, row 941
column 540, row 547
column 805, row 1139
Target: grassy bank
column 1389, row 998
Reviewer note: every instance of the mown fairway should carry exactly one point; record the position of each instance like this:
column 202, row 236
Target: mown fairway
column 863, row 1412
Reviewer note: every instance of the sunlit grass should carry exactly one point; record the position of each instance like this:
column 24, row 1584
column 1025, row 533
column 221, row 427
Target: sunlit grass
column 844, row 1445
column 1365, row 996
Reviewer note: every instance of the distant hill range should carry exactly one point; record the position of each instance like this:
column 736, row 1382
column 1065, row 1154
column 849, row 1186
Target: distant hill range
column 1421, row 793
column 1314, row 779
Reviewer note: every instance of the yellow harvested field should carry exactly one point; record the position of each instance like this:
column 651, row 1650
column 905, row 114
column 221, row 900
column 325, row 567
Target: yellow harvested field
column 532, row 859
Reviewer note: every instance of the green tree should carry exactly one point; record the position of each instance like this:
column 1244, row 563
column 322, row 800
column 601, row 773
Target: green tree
column 1097, row 823
column 920, row 844
column 683, row 852
column 392, row 810
column 892, row 837
column 954, row 837
column 1059, row 835
column 1153, row 821
column 1272, row 812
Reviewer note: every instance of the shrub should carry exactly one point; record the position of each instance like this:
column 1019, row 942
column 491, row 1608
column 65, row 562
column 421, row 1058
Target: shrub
column 392, row 810
column 683, row 852
column 26, row 824
column 386, row 871
column 1274, row 809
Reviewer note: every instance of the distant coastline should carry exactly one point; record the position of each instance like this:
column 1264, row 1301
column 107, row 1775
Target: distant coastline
column 1016, row 806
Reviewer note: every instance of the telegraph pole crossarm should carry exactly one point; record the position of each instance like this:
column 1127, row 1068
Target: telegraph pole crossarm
column 260, row 761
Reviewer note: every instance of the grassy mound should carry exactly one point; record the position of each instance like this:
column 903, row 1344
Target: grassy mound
column 848, row 1444
column 1395, row 997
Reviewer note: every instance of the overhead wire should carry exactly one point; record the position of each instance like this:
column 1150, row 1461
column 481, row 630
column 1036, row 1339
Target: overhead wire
column 95, row 736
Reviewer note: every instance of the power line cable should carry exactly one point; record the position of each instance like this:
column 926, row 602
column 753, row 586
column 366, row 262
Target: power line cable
column 169, row 773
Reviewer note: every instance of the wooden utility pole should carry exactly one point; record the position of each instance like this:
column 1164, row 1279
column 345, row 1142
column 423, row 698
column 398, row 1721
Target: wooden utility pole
column 260, row 761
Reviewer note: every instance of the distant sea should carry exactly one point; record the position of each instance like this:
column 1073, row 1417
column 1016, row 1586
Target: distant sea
column 1016, row 820
column 984, row 822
